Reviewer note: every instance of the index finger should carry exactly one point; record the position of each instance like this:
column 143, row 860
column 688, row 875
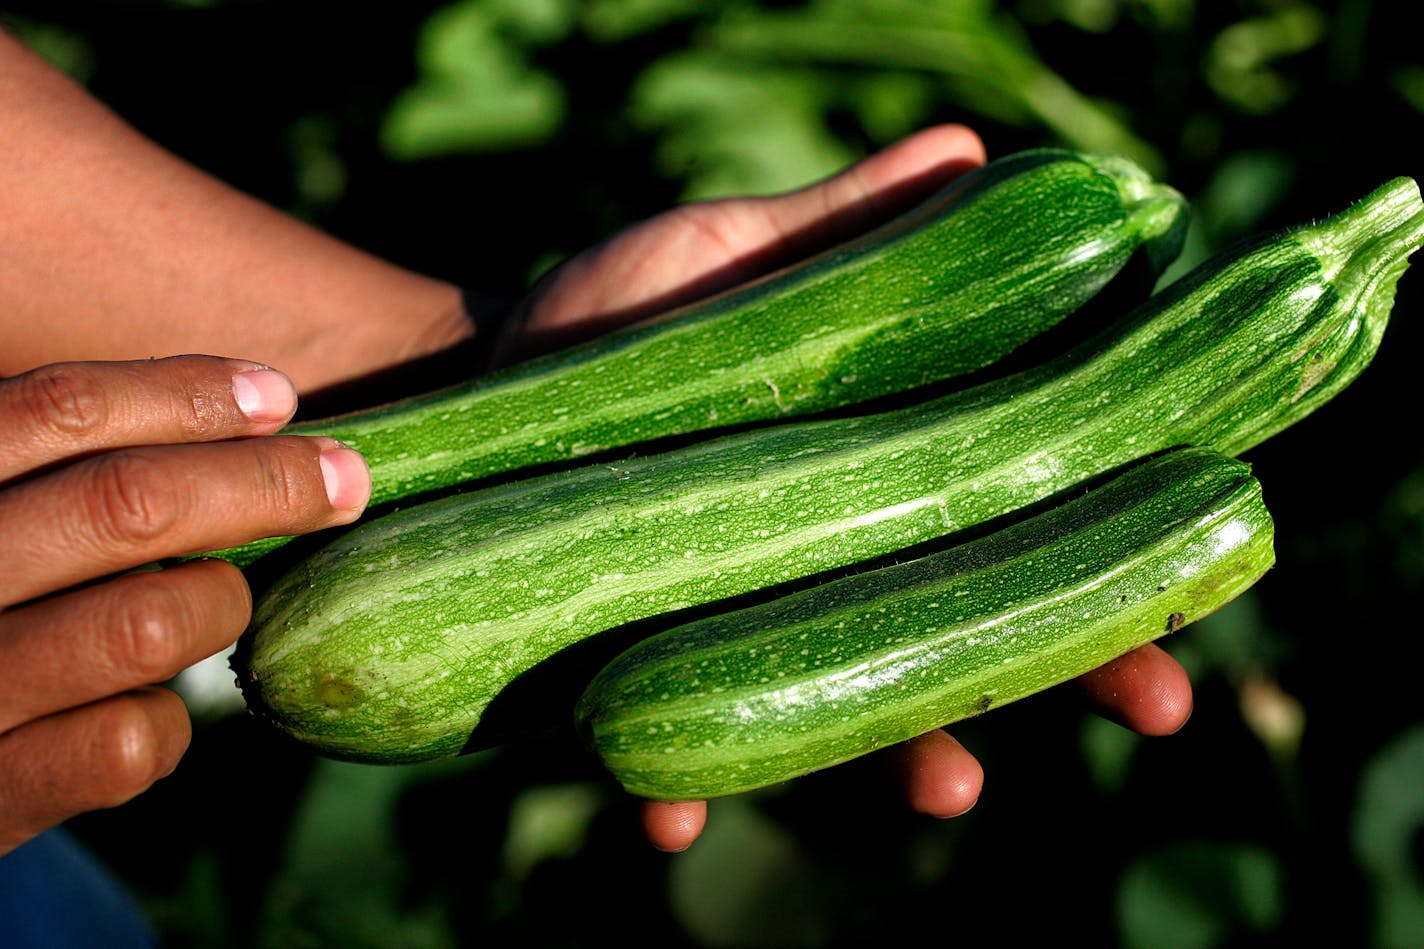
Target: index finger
column 68, row 410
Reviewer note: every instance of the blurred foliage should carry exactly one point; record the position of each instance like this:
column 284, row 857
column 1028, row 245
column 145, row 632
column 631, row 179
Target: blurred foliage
column 480, row 139
column 1387, row 831
column 476, row 88
column 1199, row 894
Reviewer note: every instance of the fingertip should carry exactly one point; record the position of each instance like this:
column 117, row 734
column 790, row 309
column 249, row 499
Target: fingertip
column 165, row 733
column 264, row 395
column 673, row 826
column 137, row 739
column 1145, row 690
column 949, row 142
column 939, row 776
column 1169, row 706
column 346, row 476
column 916, row 165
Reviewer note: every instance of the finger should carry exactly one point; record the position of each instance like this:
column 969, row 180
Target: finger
column 101, row 640
column 938, row 775
column 1146, row 690
column 871, row 191
column 126, row 508
column 762, row 234
column 672, row 826
column 71, row 409
column 92, row 757
column 702, row 248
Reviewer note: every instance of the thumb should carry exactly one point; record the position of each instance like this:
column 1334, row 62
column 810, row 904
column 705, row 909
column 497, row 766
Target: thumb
column 702, row 248
column 869, row 192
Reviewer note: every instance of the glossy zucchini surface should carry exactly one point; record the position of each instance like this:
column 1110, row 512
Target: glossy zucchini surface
column 394, row 642
column 759, row 695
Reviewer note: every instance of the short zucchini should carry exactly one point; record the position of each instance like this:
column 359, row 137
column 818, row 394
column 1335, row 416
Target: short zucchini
column 394, row 642
column 990, row 262
column 753, row 697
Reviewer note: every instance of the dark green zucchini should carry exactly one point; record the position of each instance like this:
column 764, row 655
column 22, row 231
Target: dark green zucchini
column 753, row 697
column 391, row 643
column 990, row 262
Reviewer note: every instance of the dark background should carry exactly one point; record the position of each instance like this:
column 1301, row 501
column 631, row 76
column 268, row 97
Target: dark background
column 483, row 140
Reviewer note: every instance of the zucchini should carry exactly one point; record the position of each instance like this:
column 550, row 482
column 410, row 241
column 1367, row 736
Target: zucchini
column 746, row 699
column 988, row 263
column 392, row 642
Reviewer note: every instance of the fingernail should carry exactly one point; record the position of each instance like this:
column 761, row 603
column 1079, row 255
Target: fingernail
column 348, row 479
column 264, row 395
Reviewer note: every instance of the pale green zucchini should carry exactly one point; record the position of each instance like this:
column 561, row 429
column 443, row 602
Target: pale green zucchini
column 392, row 643
column 753, row 697
column 990, row 262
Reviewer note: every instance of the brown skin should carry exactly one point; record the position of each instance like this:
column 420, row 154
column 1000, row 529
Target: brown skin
column 1146, row 690
column 116, row 465
column 116, row 250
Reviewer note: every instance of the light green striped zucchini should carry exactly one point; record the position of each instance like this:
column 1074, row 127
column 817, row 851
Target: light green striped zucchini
column 990, row 262
column 749, row 698
column 429, row 631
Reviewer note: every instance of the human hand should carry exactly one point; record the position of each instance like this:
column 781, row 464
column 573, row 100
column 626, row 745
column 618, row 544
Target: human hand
column 699, row 249
column 109, row 467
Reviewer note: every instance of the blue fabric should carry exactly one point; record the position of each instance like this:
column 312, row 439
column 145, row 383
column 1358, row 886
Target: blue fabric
column 54, row 894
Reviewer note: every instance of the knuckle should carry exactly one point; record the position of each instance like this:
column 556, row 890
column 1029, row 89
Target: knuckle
column 197, row 416
column 150, row 633
column 161, row 622
column 200, row 409
column 131, row 498
column 285, row 473
column 62, row 399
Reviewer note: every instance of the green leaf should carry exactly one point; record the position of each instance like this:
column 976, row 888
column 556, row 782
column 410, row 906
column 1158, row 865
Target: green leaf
column 892, row 105
column 748, row 884
column 965, row 45
column 477, row 90
column 548, row 822
column 1107, row 749
column 1091, row 16
column 1386, row 827
column 1409, row 83
column 611, row 21
column 729, row 129
column 1243, row 189
column 318, row 168
column 1233, row 642
column 343, row 874
column 1239, row 61
column 1199, row 894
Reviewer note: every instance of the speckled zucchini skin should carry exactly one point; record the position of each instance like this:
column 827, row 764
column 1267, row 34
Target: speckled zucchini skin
column 951, row 286
column 753, row 697
column 391, row 643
